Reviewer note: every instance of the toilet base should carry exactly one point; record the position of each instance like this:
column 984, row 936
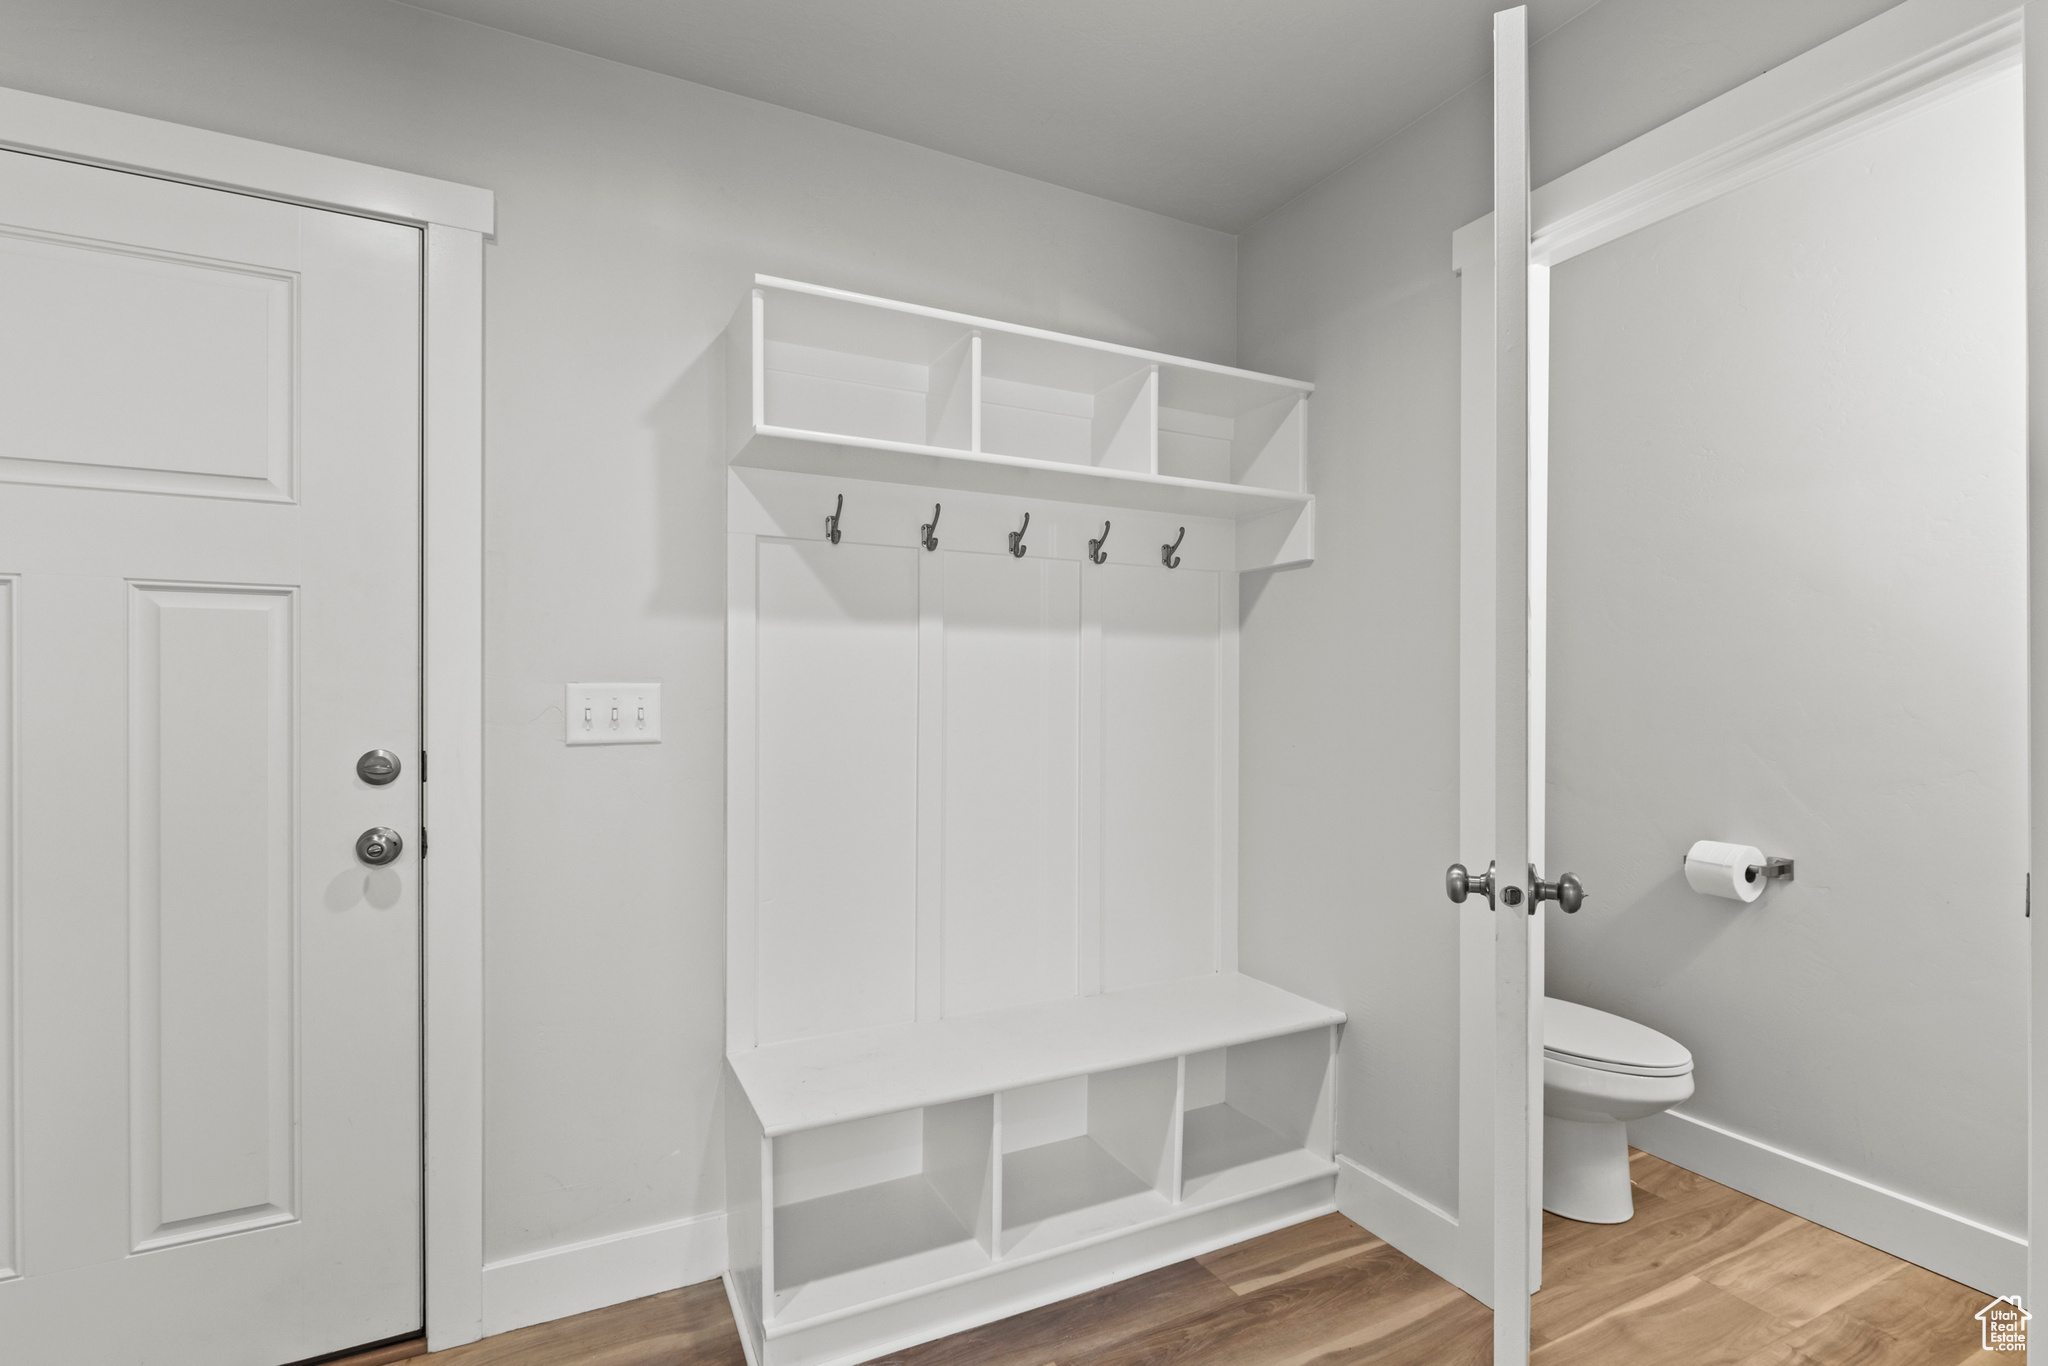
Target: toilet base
column 1585, row 1171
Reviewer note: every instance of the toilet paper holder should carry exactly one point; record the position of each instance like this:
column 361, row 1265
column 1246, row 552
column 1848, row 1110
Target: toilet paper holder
column 1770, row 870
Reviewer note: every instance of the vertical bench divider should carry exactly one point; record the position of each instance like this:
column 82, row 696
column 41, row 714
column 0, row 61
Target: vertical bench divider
column 767, row 1228
column 1321, row 1135
column 1180, row 1124
column 995, row 1171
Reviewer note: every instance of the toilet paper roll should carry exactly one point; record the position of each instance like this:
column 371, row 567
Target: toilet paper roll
column 1735, row 871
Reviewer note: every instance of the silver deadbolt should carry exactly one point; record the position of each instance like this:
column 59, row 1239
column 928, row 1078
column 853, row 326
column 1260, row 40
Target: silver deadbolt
column 378, row 767
column 379, row 846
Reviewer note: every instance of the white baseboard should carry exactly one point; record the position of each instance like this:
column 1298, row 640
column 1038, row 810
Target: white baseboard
column 1409, row 1223
column 561, row 1281
column 1985, row 1258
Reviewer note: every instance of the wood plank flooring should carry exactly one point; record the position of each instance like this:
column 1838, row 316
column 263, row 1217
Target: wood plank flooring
column 1702, row 1276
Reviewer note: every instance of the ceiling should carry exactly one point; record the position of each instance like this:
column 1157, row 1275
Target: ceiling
column 1212, row 111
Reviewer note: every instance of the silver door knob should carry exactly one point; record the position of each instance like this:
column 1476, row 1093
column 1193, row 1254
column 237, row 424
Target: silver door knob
column 1567, row 892
column 378, row 767
column 379, row 846
column 1459, row 884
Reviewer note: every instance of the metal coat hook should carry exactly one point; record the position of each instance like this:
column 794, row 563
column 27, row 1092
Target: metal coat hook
column 931, row 542
column 832, row 522
column 1017, row 546
column 1166, row 555
column 1095, row 550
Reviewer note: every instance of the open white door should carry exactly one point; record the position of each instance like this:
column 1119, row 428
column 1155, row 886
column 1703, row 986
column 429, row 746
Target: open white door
column 1517, row 630
column 1913, row 55
column 1500, row 759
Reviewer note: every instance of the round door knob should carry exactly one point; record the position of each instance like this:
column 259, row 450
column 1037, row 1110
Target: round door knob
column 1459, row 884
column 1568, row 892
column 379, row 846
column 378, row 767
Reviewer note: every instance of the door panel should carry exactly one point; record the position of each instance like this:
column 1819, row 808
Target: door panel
column 209, row 528
column 201, row 352
column 212, row 1041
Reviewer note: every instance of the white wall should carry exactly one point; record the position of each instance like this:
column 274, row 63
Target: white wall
column 1350, row 667
column 1788, row 608
column 632, row 209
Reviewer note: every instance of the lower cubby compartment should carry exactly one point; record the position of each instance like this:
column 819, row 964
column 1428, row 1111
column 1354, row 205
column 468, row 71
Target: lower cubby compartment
column 1019, row 1284
column 1256, row 1115
column 891, row 1186
column 1086, row 1155
column 875, row 1207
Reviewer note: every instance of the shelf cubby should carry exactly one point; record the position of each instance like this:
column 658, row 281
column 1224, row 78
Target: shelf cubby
column 881, row 1205
column 1047, row 400
column 832, row 366
column 823, row 381
column 1256, row 1114
column 1225, row 430
column 1085, row 1155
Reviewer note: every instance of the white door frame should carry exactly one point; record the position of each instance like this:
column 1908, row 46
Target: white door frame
column 455, row 220
column 1920, row 50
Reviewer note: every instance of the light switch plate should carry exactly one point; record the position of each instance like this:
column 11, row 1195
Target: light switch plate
column 614, row 713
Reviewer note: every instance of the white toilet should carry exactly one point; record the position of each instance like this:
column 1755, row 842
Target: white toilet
column 1600, row 1071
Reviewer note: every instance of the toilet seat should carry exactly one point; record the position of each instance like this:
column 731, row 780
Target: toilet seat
column 1585, row 1037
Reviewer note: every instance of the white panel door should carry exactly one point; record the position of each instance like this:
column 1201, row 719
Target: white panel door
column 1517, row 698
column 1501, row 753
column 209, row 608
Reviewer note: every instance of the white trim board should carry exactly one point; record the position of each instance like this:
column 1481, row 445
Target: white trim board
column 559, row 1281
column 456, row 219
column 1920, row 51
column 1951, row 1244
column 68, row 131
column 1408, row 1223
column 452, row 803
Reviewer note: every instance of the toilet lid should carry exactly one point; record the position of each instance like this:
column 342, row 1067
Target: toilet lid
column 1593, row 1038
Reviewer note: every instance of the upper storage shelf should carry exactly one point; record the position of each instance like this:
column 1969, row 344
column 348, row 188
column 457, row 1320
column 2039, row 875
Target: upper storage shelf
column 828, row 382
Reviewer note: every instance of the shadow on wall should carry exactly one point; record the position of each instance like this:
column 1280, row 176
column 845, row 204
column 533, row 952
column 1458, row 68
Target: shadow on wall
column 1251, row 586
column 688, row 426
column 688, row 422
